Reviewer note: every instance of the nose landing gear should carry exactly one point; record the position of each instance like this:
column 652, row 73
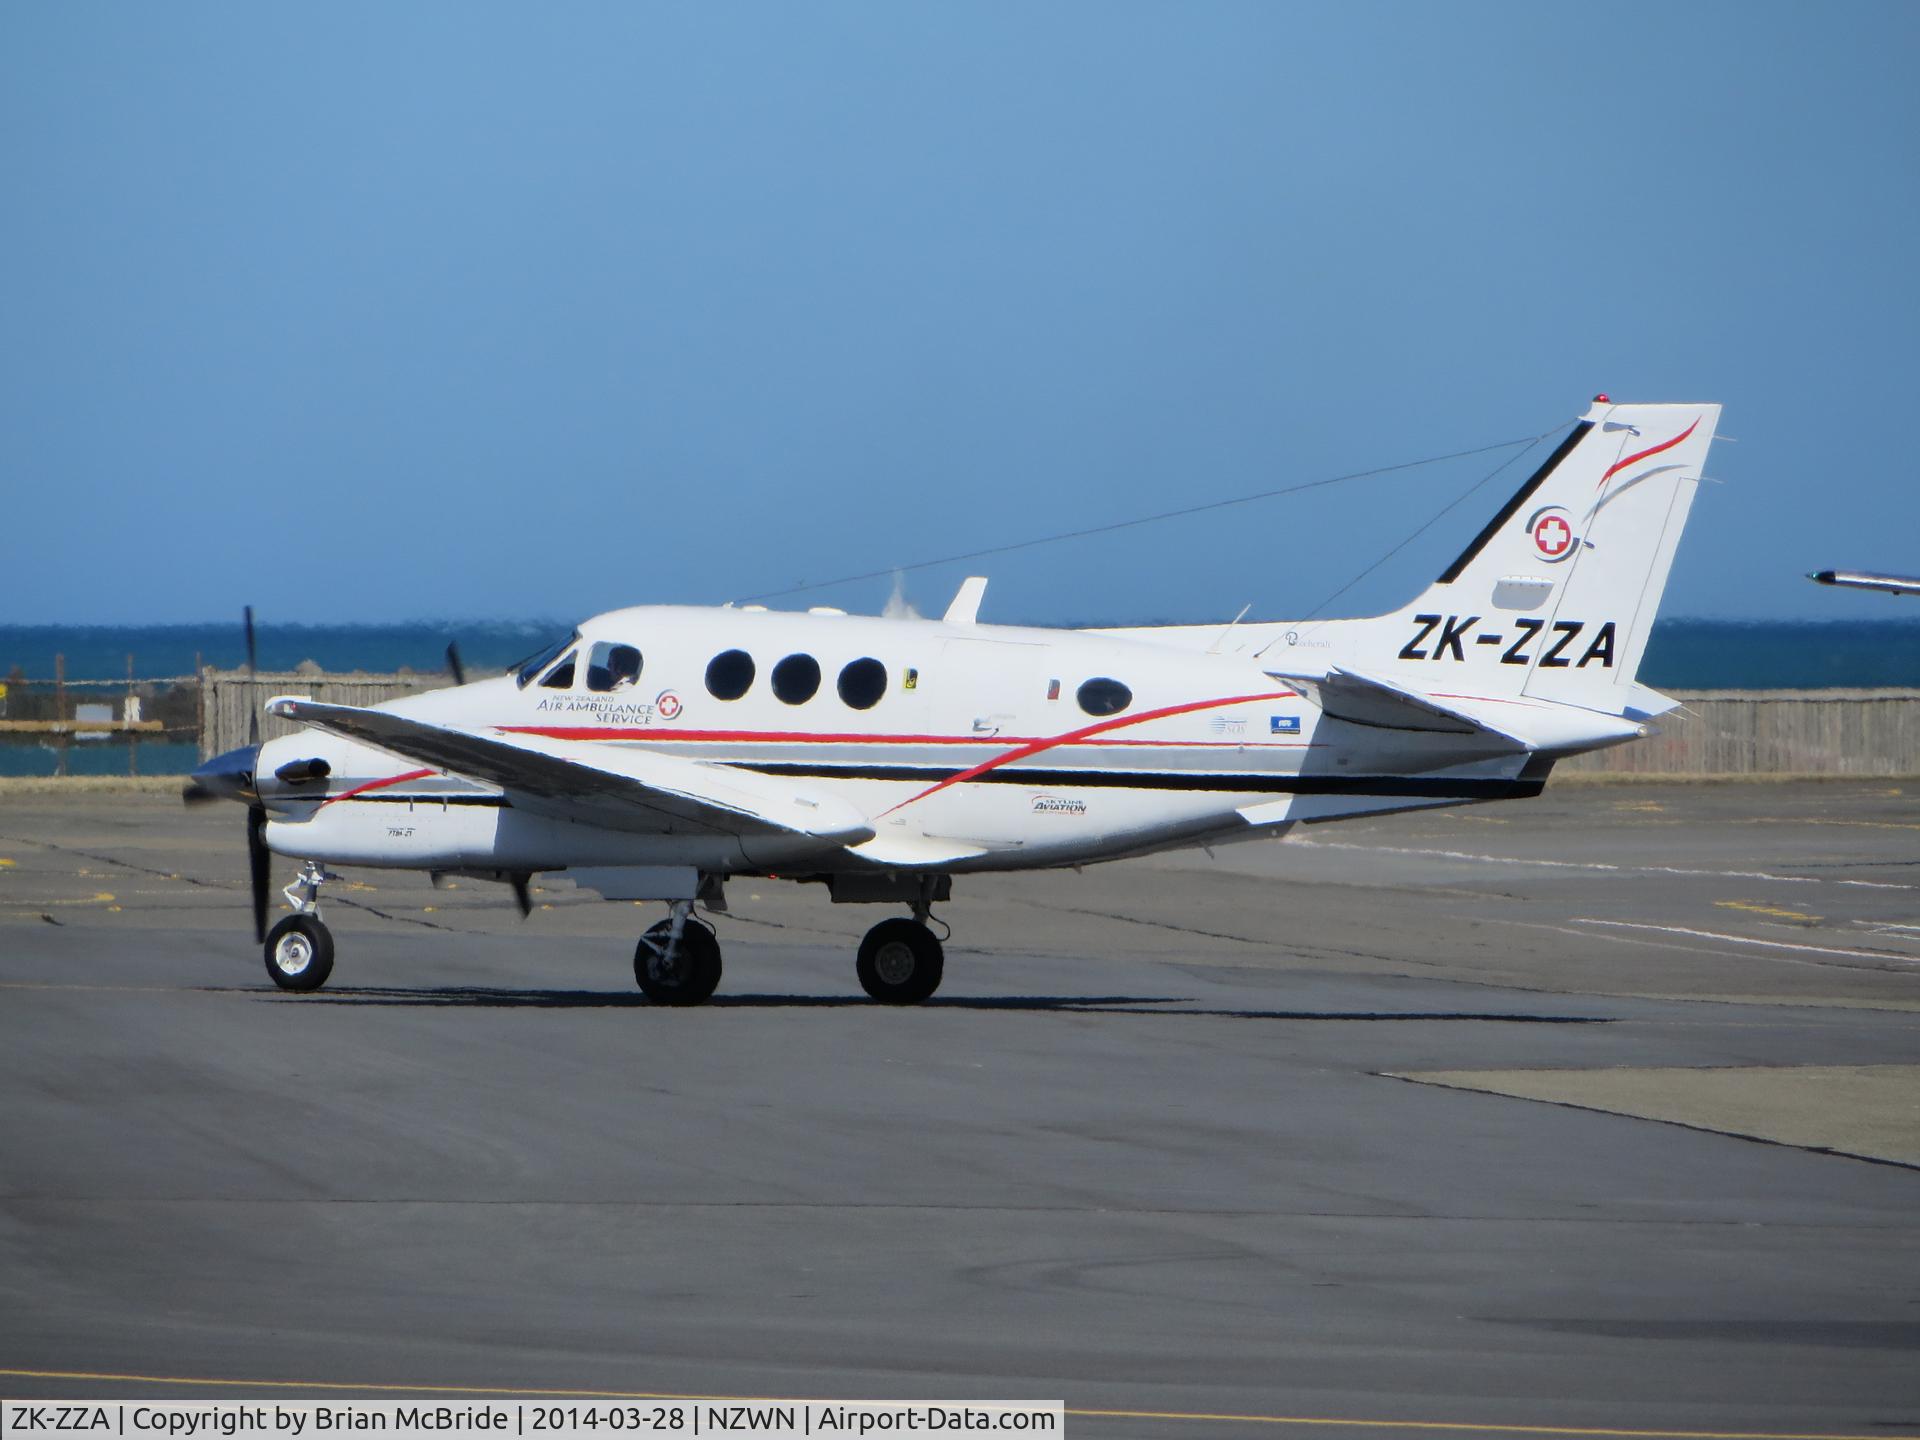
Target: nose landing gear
column 299, row 949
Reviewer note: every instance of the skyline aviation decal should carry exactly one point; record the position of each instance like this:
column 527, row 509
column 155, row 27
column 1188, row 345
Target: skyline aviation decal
column 1556, row 649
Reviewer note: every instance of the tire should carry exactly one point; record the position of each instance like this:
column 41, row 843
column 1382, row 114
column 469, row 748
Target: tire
column 695, row 974
column 299, row 953
column 900, row 962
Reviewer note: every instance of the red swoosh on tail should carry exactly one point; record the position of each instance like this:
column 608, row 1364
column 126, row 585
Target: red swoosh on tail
column 1651, row 450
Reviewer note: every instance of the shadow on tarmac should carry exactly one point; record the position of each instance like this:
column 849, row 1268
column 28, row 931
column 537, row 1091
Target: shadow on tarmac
column 483, row 997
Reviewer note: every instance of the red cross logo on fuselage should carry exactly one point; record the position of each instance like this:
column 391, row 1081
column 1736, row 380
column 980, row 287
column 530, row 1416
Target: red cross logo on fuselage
column 1552, row 535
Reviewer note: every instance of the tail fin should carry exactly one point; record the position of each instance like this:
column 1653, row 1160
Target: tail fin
column 1555, row 599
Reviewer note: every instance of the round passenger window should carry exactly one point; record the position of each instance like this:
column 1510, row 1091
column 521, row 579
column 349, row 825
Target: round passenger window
column 863, row 682
column 1104, row 697
column 796, row 678
column 729, row 674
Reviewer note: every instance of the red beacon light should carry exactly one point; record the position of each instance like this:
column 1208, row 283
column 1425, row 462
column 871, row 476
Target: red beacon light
column 1601, row 399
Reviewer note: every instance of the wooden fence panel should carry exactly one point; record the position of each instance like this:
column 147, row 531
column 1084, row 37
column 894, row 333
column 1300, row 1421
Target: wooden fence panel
column 226, row 697
column 1774, row 732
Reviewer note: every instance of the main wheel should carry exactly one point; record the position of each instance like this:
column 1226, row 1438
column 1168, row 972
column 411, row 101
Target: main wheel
column 693, row 974
column 300, row 953
column 900, row 962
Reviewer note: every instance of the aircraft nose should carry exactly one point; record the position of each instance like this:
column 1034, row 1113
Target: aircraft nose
column 225, row 777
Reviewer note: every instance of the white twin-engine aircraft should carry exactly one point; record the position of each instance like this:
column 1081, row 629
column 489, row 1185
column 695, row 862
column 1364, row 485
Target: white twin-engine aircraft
column 658, row 751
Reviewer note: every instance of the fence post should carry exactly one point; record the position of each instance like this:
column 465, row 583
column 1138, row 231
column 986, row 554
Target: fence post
column 62, row 740
column 126, row 717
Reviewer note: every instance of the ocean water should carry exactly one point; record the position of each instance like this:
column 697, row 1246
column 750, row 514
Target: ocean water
column 99, row 652
column 1682, row 655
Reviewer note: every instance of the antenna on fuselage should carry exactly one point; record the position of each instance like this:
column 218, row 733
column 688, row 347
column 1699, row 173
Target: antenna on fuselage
column 1221, row 639
column 965, row 607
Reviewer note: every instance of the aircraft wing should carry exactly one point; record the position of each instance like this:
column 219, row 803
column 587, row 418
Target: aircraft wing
column 628, row 788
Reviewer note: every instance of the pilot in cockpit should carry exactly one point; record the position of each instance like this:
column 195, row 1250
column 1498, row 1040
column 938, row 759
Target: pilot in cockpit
column 612, row 667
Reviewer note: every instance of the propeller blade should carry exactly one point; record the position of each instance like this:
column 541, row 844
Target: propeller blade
column 258, row 859
column 253, row 690
column 194, row 793
column 453, row 663
column 520, row 894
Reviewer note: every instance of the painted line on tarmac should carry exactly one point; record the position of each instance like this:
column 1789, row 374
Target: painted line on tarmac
column 1596, row 865
column 1323, row 1421
column 1750, row 940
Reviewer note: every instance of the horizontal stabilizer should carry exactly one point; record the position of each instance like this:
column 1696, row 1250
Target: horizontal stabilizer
column 628, row 788
column 1510, row 723
column 1364, row 700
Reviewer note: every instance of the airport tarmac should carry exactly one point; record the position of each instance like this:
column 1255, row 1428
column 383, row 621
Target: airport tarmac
column 1243, row 1135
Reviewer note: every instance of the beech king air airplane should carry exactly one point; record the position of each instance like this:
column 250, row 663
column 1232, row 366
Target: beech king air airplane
column 657, row 751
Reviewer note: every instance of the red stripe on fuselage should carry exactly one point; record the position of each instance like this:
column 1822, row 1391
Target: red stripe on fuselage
column 662, row 732
column 653, row 734
column 377, row 785
column 1650, row 451
column 1071, row 737
column 1023, row 746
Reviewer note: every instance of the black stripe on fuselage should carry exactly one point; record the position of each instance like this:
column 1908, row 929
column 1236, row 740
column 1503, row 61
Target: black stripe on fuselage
column 1524, row 494
column 1425, row 786
column 500, row 801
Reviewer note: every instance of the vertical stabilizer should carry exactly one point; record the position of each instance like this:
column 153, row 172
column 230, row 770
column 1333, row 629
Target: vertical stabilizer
column 1555, row 598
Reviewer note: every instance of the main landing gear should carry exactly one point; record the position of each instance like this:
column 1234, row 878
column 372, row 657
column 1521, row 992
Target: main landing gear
column 900, row 961
column 677, row 962
column 300, row 947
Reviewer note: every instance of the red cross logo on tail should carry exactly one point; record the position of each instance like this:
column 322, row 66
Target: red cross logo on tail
column 1552, row 533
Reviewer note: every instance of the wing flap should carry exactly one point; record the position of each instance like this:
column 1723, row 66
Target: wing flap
column 631, row 785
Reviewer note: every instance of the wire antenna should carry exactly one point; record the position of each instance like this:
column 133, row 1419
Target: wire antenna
column 1526, row 440
column 1430, row 522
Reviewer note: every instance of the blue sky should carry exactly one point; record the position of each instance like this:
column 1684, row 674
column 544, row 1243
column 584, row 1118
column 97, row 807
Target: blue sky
column 382, row 312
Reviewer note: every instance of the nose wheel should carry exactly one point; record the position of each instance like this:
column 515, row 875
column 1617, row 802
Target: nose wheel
column 300, row 948
column 900, row 962
column 299, row 953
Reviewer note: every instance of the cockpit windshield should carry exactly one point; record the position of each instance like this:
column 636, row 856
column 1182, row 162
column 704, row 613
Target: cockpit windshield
column 526, row 670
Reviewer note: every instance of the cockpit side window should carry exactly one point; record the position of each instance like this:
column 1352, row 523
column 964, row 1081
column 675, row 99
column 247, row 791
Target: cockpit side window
column 612, row 667
column 524, row 672
column 561, row 676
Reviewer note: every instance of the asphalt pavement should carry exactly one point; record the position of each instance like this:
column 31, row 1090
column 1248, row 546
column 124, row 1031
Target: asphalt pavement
column 1182, row 1136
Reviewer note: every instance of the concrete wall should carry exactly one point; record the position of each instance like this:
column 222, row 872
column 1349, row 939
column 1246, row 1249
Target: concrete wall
column 1715, row 732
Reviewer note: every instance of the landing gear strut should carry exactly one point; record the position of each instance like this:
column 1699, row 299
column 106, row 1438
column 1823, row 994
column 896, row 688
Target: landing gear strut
column 901, row 961
column 299, row 949
column 677, row 962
